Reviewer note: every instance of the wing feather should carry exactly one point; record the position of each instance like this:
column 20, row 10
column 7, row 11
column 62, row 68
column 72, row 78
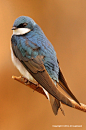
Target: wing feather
column 37, row 69
column 62, row 83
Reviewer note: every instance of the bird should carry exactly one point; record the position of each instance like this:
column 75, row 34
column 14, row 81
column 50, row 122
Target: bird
column 35, row 58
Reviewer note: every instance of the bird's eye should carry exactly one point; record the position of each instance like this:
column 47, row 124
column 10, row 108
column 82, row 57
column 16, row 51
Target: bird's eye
column 22, row 25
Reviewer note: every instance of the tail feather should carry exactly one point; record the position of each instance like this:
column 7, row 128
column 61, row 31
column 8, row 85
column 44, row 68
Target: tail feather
column 55, row 104
column 61, row 108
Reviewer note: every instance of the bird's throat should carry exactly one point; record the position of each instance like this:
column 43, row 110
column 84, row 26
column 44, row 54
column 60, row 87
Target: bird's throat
column 21, row 31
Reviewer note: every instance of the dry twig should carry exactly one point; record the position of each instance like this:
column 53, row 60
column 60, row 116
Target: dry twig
column 38, row 88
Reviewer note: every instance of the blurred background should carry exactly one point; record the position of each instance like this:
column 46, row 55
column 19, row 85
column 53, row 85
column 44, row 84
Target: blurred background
column 64, row 23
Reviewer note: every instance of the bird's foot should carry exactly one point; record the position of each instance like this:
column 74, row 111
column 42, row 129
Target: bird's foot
column 36, row 87
column 26, row 81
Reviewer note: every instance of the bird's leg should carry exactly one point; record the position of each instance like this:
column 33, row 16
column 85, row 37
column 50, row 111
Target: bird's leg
column 26, row 81
column 36, row 87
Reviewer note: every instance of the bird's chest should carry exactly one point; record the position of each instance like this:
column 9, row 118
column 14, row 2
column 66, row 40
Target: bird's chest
column 21, row 68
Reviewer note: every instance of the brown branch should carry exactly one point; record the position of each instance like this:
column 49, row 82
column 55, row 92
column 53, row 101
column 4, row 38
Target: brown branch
column 38, row 88
column 35, row 87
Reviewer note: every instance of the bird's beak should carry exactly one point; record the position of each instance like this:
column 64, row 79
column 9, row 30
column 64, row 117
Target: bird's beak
column 14, row 28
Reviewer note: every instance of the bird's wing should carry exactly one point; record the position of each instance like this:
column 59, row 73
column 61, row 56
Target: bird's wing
column 62, row 83
column 37, row 69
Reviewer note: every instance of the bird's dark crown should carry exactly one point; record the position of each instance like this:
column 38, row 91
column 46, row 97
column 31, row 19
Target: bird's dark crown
column 24, row 22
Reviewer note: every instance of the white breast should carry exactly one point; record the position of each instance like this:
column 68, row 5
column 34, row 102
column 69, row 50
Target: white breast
column 21, row 68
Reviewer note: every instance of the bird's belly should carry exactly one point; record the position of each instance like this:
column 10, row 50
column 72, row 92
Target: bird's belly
column 21, row 68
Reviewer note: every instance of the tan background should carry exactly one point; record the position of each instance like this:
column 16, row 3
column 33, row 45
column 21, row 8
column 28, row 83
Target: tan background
column 64, row 23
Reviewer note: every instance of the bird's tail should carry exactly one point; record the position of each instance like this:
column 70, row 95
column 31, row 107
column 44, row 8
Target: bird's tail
column 55, row 104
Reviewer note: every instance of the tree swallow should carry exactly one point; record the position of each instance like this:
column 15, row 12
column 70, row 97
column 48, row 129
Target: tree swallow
column 35, row 58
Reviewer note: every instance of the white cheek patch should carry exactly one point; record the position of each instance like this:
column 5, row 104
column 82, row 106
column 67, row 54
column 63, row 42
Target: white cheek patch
column 21, row 31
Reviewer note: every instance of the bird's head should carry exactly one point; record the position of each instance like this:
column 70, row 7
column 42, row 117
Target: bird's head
column 23, row 25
